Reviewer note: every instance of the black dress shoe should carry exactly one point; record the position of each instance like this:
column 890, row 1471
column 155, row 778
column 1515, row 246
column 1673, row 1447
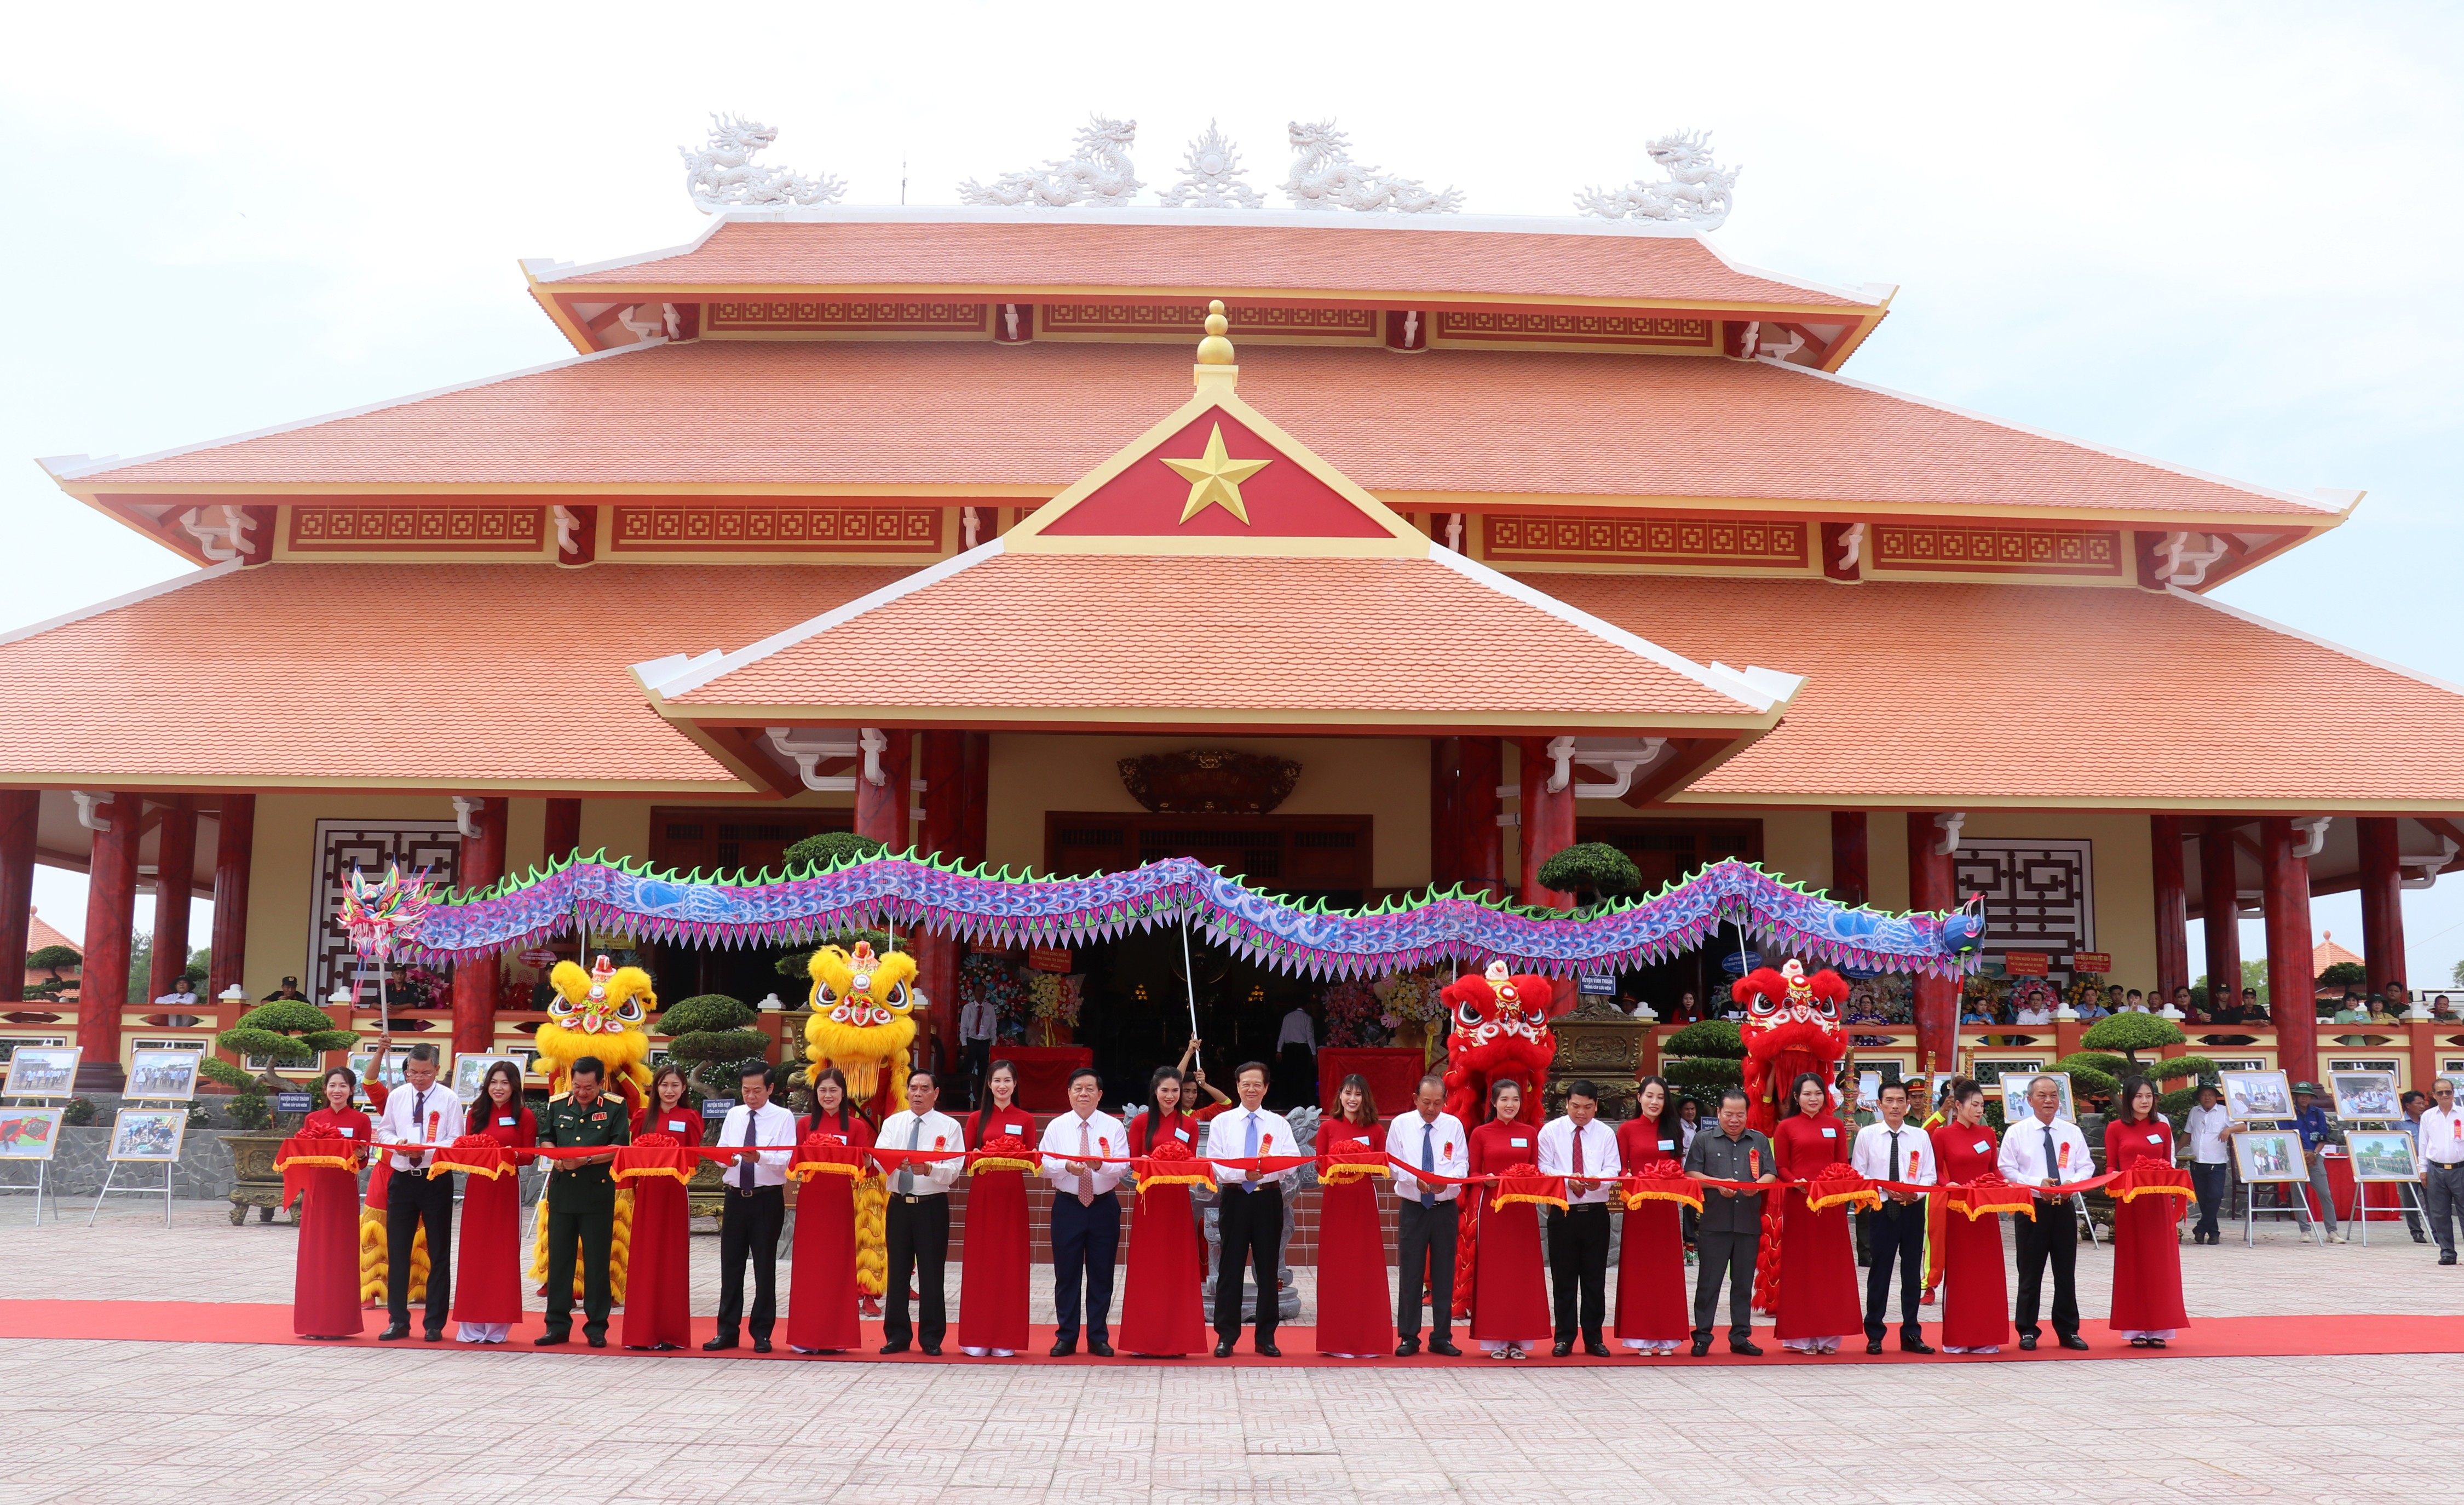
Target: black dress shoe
column 2028, row 1342
column 1595, row 1348
column 1065, row 1348
column 898, row 1346
column 719, row 1344
column 1407, row 1348
column 662, row 1348
column 1224, row 1350
column 1445, row 1346
column 1099, row 1348
column 394, row 1333
column 1560, row 1350
column 598, row 1339
column 2075, row 1343
column 551, row 1339
column 1749, row 1350
column 1265, row 1350
column 1701, row 1348
column 1873, row 1345
column 1919, row 1346
column 761, row 1345
column 2447, row 1257
column 932, row 1350
column 434, row 1334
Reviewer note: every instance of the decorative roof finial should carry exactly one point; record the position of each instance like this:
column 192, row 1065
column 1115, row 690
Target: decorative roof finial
column 1215, row 349
column 1101, row 175
column 1324, row 176
column 1697, row 191
column 721, row 174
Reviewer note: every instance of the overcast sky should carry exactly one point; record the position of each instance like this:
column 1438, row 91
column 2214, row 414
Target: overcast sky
column 2216, row 235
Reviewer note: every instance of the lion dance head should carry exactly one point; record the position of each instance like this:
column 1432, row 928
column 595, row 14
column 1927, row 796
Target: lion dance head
column 861, row 1022
column 1792, row 1025
column 598, row 1012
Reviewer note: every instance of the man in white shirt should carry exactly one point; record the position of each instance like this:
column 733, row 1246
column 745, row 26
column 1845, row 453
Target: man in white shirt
column 2034, row 1009
column 1249, row 1215
column 753, row 1209
column 1425, row 1226
column 918, row 1220
column 1085, row 1214
column 418, row 1112
column 979, row 1021
column 1894, row 1149
column 2048, row 1153
column 2441, row 1137
column 1583, row 1150
column 1296, row 1055
column 2209, row 1128
column 179, row 999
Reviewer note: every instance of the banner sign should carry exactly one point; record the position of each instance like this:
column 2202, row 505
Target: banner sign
column 1597, row 984
column 1048, row 959
column 2096, row 962
column 2025, row 963
column 295, row 1102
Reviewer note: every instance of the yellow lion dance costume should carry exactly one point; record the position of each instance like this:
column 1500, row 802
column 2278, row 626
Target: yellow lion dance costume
column 598, row 1012
column 860, row 1024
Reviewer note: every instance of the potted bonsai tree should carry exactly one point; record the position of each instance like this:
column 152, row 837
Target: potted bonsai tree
column 289, row 1031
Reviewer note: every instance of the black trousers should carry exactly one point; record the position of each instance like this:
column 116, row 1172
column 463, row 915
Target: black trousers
column 582, row 1214
column 1578, row 1263
column 977, row 1058
column 2443, row 1198
column 1424, row 1246
column 1085, row 1240
column 2210, row 1183
column 1717, row 1253
column 748, row 1225
column 1895, row 1230
column 2051, row 1237
column 1250, row 1222
column 918, row 1240
column 411, row 1198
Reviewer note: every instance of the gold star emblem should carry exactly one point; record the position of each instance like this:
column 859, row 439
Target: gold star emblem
column 1215, row 478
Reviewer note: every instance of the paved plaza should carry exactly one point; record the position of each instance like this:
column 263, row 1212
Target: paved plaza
column 139, row 1423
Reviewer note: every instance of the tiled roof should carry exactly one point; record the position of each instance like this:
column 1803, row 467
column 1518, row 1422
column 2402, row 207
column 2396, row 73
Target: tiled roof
column 1097, row 634
column 447, row 674
column 1921, row 694
column 1221, row 255
column 716, row 413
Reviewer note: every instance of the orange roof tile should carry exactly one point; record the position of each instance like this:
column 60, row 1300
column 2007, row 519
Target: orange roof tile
column 1102, row 639
column 2017, row 694
column 435, row 675
column 721, row 413
column 1219, row 255
column 2326, row 954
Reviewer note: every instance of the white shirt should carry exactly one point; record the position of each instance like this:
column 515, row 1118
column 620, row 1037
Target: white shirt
column 2033, row 1016
column 774, row 1126
column 1449, row 1152
column 406, row 1120
column 2208, row 1128
column 1689, row 1130
column 179, row 997
column 1103, row 1138
column 2023, row 1153
column 929, row 1178
column 1556, row 1156
column 1870, row 1156
column 1228, row 1133
column 978, row 1020
column 1299, row 1029
column 2442, row 1136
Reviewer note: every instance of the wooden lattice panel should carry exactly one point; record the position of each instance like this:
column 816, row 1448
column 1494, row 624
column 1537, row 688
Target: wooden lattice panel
column 1187, row 320
column 848, row 316
column 2039, row 896
column 370, row 847
column 1482, row 326
column 778, row 528
column 417, row 530
column 1612, row 539
column 2025, row 551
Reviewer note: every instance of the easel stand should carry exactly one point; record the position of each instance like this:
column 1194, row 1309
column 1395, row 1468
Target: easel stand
column 42, row 1184
column 169, row 1169
column 2361, row 1209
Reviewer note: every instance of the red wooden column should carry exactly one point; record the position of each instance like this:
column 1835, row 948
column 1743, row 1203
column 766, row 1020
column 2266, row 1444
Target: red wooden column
column 1481, row 863
column 2292, row 992
column 234, row 844
column 1548, row 823
column 2382, row 903
column 1851, row 857
column 563, row 833
column 2172, row 906
column 1930, row 887
column 942, row 757
column 1445, row 810
column 175, row 862
column 975, row 806
column 110, row 909
column 475, row 982
column 2220, row 908
column 881, row 809
column 18, row 809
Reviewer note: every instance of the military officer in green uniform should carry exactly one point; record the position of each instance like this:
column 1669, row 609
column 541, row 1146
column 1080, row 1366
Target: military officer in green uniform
column 582, row 1202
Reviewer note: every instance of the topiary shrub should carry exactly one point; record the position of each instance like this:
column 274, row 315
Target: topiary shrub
column 1702, row 1071
column 289, row 1031
column 2345, row 974
column 2130, row 1034
column 2088, row 1077
column 2174, row 1069
column 832, row 847
column 1713, row 1037
column 1592, row 871
column 79, row 1111
column 249, row 1110
column 710, row 1031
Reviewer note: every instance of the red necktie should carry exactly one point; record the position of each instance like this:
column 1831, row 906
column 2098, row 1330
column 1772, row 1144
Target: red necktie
column 1578, row 1150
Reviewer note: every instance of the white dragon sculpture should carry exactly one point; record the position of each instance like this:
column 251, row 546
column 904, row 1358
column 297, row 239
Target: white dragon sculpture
column 1326, row 177
column 1211, row 177
column 1101, row 173
column 1697, row 191
column 721, row 173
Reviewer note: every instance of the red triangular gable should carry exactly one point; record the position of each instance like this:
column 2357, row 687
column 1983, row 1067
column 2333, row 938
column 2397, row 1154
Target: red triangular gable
column 1284, row 499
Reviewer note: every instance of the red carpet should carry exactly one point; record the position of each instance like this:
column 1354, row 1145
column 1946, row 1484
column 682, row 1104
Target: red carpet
column 2211, row 1338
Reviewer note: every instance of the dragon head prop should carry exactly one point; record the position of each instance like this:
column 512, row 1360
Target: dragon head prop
column 862, row 1022
column 1792, row 1025
column 1501, row 1029
column 598, row 1012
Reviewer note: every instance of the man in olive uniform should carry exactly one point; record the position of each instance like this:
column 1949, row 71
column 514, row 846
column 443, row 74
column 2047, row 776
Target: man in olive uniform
column 582, row 1202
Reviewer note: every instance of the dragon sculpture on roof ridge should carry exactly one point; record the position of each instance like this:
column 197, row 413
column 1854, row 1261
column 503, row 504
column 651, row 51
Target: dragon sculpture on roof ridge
column 1697, row 191
column 721, row 174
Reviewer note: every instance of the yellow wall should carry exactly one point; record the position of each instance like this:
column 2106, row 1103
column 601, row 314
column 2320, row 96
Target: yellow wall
column 2124, row 872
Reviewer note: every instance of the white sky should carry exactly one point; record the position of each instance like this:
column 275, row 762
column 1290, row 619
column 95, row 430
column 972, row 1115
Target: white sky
column 2217, row 235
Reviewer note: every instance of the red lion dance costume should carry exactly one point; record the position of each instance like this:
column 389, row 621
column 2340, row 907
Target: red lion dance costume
column 1791, row 1026
column 1501, row 1033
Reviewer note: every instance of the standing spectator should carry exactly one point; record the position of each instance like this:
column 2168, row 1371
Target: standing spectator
column 2318, row 1131
column 2410, row 1123
column 979, row 1023
column 2211, row 1158
column 1296, row 1056
column 2253, row 1011
column 2443, row 1011
column 2182, row 1003
column 2034, row 1009
column 2136, row 1003
column 2442, row 1166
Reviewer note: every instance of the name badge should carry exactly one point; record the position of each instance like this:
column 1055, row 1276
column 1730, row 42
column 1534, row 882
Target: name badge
column 504, row 1122
column 1019, row 1129
column 1982, row 1145
column 1519, row 1143
column 600, row 1117
column 1669, row 1144
column 1181, row 1135
column 347, row 1130
column 2155, row 1139
column 674, row 1125
column 1831, row 1134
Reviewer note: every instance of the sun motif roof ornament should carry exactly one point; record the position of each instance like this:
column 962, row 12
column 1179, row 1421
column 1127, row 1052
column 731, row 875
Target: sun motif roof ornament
column 1697, row 191
column 1324, row 176
column 1211, row 177
column 721, row 174
column 1100, row 174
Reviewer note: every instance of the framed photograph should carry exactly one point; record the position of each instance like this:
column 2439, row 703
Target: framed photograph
column 149, row 1133
column 43, row 1071
column 2015, row 1097
column 2264, row 1154
column 29, row 1133
column 164, row 1075
column 2382, row 1155
column 2257, row 1095
column 391, row 1073
column 2364, row 1095
column 471, row 1071
column 1869, row 1090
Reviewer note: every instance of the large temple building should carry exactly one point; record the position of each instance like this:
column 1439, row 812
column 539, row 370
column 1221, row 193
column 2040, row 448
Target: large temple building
column 1482, row 537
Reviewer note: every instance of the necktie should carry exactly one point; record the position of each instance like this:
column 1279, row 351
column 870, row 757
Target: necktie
column 1085, row 1184
column 907, row 1169
column 1578, row 1150
column 1249, row 1148
column 1429, row 1163
column 418, row 1117
column 2053, row 1172
column 744, row 1171
column 1891, row 1172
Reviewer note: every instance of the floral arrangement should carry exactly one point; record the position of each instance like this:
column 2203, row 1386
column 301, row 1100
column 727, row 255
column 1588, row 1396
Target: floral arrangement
column 2086, row 990
column 1052, row 1002
column 1355, row 1013
column 1410, row 996
column 988, row 978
